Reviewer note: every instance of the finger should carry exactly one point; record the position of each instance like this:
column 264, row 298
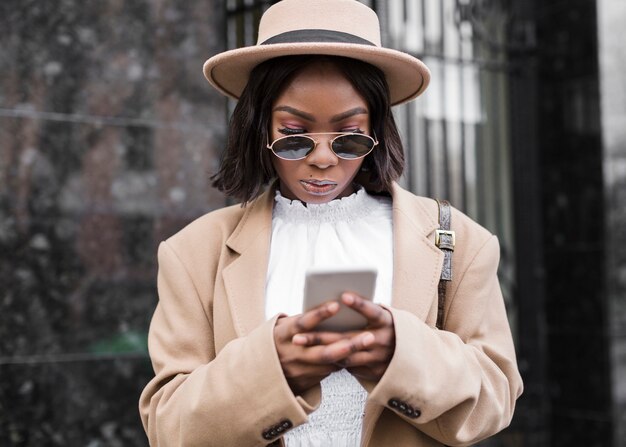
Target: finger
column 318, row 338
column 385, row 337
column 339, row 350
column 326, row 354
column 366, row 358
column 376, row 315
column 310, row 319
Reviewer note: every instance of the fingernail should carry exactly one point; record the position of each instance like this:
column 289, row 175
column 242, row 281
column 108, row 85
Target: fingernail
column 348, row 298
column 333, row 307
column 368, row 338
column 298, row 339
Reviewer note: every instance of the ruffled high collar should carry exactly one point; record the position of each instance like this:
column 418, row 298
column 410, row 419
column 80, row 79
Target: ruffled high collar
column 347, row 208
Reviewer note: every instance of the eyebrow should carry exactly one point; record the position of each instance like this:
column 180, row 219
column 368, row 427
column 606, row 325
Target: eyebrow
column 348, row 114
column 309, row 117
column 296, row 112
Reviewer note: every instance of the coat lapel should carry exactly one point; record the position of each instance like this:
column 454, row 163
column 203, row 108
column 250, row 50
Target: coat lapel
column 417, row 261
column 244, row 278
column 417, row 267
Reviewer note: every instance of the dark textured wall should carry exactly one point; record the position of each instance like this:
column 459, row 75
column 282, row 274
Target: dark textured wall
column 612, row 57
column 108, row 132
column 571, row 157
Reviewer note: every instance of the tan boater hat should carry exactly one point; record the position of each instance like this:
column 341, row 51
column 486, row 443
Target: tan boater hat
column 330, row 27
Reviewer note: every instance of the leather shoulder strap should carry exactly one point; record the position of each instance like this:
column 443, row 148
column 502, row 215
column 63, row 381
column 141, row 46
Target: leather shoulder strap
column 445, row 240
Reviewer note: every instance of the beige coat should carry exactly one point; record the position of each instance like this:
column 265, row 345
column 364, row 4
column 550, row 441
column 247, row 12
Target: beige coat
column 218, row 379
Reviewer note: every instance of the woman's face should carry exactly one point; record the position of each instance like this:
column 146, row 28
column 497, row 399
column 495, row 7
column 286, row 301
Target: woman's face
column 318, row 99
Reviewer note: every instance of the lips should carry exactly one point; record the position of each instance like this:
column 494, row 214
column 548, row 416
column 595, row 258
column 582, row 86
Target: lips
column 318, row 187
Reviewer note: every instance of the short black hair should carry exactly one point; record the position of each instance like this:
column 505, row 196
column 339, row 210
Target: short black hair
column 246, row 166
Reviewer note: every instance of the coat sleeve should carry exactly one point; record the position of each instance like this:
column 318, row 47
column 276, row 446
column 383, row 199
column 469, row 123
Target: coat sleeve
column 463, row 381
column 198, row 397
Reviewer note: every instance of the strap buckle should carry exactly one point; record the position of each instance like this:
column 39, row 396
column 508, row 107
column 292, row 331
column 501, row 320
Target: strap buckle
column 445, row 239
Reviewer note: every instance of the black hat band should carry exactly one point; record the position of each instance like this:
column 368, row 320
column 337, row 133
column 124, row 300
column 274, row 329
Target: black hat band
column 316, row 36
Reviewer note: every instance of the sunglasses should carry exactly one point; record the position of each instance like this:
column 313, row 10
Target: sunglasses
column 348, row 146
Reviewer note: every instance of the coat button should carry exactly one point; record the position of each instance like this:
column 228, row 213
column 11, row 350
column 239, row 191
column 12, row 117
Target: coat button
column 413, row 413
column 393, row 403
column 276, row 430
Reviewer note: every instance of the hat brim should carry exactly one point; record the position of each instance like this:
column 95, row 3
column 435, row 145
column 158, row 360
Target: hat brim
column 406, row 75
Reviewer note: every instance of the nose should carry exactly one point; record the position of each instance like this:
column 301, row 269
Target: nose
column 323, row 156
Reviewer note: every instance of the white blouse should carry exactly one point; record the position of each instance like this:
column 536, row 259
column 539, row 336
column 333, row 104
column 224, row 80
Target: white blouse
column 348, row 232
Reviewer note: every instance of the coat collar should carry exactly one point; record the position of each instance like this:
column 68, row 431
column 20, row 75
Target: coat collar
column 417, row 261
column 244, row 278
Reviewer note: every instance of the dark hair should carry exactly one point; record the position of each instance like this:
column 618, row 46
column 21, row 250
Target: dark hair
column 246, row 166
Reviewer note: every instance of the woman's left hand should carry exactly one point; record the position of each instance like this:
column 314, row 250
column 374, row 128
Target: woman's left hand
column 370, row 363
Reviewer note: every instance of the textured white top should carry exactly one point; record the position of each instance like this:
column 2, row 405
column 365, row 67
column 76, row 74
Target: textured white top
column 352, row 231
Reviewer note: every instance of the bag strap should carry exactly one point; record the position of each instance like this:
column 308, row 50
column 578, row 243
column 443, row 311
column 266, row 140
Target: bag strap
column 444, row 240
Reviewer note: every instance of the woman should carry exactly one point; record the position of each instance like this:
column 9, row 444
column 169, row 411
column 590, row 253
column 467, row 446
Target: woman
column 237, row 362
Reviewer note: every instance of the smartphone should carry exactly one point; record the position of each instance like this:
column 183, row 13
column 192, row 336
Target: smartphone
column 323, row 285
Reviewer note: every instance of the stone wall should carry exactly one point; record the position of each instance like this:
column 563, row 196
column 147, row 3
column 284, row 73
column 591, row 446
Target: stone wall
column 108, row 134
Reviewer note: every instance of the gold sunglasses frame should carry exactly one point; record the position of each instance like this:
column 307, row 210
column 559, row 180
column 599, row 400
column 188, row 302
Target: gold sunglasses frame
column 316, row 142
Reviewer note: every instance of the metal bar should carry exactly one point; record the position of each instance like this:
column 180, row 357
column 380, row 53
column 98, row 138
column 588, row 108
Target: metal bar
column 428, row 168
column 445, row 155
column 410, row 137
column 462, row 148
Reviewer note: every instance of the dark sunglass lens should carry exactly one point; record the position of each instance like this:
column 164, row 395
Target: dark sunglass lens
column 352, row 146
column 293, row 148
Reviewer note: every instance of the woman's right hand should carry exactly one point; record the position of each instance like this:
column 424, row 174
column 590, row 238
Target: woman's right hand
column 306, row 366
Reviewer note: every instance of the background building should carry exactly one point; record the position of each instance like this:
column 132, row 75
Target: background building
column 109, row 132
